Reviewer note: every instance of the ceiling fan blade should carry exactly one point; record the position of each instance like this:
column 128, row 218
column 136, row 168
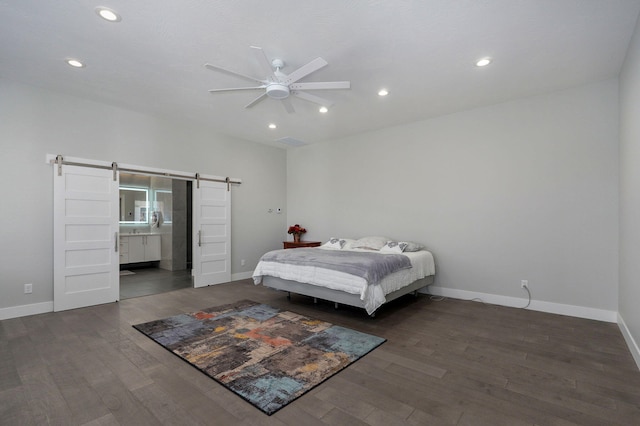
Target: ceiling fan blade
column 264, row 62
column 313, row 98
column 321, row 85
column 288, row 106
column 232, row 89
column 237, row 74
column 305, row 70
column 256, row 100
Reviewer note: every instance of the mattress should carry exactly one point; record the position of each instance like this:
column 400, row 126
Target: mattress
column 422, row 265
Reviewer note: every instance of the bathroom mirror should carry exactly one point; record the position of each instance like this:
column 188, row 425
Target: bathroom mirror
column 134, row 205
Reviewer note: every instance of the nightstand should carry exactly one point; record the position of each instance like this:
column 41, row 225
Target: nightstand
column 291, row 244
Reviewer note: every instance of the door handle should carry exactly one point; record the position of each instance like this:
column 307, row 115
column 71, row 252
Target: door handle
column 199, row 238
column 116, row 240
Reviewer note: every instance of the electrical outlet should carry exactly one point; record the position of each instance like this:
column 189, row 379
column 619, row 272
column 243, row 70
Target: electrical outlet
column 28, row 288
column 524, row 283
column 243, row 262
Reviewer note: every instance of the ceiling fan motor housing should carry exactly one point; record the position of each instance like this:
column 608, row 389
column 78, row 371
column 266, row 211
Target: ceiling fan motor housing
column 277, row 91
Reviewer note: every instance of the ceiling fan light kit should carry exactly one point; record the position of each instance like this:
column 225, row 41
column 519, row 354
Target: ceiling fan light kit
column 278, row 91
column 280, row 86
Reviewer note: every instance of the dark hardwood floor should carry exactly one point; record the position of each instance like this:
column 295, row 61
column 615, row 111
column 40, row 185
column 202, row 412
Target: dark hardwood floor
column 450, row 362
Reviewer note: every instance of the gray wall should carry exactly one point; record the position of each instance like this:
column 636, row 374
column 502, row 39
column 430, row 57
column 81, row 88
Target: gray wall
column 179, row 226
column 521, row 190
column 630, row 191
column 35, row 122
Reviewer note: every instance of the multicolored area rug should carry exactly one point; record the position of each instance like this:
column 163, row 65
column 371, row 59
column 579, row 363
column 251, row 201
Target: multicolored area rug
column 267, row 356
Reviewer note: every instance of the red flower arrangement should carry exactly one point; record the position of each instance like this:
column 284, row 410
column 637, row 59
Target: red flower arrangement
column 296, row 230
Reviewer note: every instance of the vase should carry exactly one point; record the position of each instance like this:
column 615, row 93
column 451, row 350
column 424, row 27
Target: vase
column 296, row 238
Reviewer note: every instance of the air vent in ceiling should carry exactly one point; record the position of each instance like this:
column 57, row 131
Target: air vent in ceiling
column 291, row 141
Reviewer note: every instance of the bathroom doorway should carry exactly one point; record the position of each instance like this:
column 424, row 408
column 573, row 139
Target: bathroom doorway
column 96, row 230
column 155, row 234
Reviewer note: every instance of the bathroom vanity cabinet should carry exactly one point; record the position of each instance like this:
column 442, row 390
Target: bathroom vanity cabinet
column 139, row 248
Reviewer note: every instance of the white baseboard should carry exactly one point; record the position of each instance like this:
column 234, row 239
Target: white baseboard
column 241, row 276
column 515, row 302
column 41, row 308
column 631, row 342
column 25, row 310
column 536, row 305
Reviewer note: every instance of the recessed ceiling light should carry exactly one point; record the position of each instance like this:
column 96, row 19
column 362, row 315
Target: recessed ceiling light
column 75, row 63
column 272, row 126
column 108, row 14
column 483, row 62
column 383, row 92
column 323, row 109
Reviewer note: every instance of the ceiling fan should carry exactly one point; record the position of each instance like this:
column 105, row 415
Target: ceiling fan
column 280, row 86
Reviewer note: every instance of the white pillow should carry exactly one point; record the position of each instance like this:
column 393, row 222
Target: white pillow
column 348, row 243
column 370, row 243
column 334, row 243
column 413, row 246
column 394, row 247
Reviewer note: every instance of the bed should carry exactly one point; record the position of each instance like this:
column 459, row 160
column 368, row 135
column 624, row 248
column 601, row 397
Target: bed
column 326, row 272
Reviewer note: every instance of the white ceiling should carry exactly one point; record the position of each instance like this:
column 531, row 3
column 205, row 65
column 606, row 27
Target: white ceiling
column 422, row 51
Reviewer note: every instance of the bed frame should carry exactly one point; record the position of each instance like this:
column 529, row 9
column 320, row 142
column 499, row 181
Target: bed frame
column 336, row 296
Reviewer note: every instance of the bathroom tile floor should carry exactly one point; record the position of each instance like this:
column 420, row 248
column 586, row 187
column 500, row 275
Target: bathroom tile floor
column 147, row 281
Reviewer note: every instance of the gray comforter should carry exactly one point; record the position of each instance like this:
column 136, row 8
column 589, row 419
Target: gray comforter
column 371, row 266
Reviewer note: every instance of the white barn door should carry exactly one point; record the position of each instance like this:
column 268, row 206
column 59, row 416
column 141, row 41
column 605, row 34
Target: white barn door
column 211, row 233
column 85, row 257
